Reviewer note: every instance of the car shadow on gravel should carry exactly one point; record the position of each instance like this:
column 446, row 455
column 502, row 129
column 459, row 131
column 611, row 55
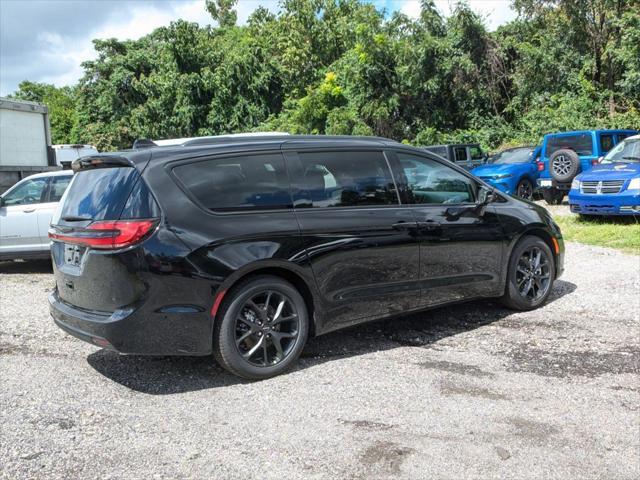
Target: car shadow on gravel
column 170, row 375
column 30, row 266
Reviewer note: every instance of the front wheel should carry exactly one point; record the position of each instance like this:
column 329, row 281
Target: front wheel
column 525, row 189
column 530, row 276
column 552, row 196
column 261, row 328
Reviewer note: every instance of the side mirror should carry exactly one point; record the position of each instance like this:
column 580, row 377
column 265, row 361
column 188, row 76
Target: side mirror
column 485, row 197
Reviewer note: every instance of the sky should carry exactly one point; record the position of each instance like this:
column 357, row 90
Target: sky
column 46, row 40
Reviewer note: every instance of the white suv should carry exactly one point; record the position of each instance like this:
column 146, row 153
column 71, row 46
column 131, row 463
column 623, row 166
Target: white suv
column 25, row 214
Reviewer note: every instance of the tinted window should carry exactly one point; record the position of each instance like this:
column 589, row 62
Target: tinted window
column 606, row 142
column 582, row 144
column 348, row 179
column 140, row 203
column 28, row 193
column 460, row 153
column 238, row 183
column 430, row 182
column 57, row 187
column 99, row 194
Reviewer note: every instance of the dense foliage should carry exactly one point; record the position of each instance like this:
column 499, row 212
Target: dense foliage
column 343, row 67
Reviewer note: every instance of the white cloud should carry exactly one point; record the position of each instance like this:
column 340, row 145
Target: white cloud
column 495, row 12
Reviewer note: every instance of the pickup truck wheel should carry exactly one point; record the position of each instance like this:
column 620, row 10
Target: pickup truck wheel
column 552, row 196
column 525, row 189
column 564, row 165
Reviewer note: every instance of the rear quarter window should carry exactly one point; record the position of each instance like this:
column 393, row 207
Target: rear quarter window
column 247, row 182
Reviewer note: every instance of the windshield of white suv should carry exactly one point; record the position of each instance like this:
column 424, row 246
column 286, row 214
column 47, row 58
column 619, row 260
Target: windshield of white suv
column 517, row 155
column 626, row 151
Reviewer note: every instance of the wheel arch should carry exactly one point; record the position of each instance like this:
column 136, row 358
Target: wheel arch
column 288, row 274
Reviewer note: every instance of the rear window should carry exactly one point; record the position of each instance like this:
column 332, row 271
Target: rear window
column 581, row 143
column 248, row 182
column 108, row 194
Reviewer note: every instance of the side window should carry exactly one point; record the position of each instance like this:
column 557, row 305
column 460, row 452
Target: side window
column 476, row 153
column 250, row 182
column 606, row 142
column 430, row 182
column 347, row 179
column 26, row 194
column 57, row 187
column 460, row 154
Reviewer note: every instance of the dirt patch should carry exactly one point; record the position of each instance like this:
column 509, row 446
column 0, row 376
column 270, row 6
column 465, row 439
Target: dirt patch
column 384, row 458
column 449, row 388
column 526, row 358
column 366, row 424
column 457, row 368
column 536, row 432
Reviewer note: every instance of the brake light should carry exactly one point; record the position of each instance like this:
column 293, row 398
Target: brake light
column 540, row 166
column 106, row 235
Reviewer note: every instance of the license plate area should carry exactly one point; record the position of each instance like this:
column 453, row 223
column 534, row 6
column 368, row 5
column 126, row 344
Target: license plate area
column 545, row 183
column 73, row 255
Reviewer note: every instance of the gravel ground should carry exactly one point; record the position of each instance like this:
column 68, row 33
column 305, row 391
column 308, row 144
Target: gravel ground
column 472, row 391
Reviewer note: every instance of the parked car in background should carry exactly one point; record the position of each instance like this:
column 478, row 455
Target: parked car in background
column 245, row 247
column 513, row 171
column 465, row 155
column 565, row 155
column 25, row 214
column 613, row 186
column 66, row 154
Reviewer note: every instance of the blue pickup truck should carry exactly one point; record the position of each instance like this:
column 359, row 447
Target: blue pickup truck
column 565, row 155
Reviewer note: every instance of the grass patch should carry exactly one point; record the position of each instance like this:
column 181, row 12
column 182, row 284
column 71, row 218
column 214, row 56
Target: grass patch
column 622, row 233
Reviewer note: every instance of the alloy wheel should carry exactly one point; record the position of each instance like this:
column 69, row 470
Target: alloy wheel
column 533, row 274
column 267, row 328
column 525, row 190
column 562, row 165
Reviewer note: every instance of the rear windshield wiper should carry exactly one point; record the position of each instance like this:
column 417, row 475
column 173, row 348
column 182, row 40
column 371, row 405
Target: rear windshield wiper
column 75, row 218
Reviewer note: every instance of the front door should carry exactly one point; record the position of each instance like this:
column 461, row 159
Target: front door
column 461, row 255
column 359, row 240
column 19, row 217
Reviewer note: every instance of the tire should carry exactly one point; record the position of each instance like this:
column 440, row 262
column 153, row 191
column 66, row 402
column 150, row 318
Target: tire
column 524, row 189
column 523, row 275
column 564, row 165
column 246, row 322
column 552, row 196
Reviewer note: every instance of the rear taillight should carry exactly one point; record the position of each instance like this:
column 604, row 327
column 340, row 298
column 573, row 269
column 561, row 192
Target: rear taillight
column 540, row 166
column 106, row 235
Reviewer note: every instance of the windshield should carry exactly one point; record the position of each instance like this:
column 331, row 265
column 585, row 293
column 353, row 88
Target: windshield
column 626, row 151
column 518, row 155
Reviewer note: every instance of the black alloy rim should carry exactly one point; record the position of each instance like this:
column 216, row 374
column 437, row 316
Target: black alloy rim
column 525, row 190
column 533, row 274
column 266, row 328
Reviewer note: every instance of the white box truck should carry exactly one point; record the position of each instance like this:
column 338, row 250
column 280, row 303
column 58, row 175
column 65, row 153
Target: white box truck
column 25, row 141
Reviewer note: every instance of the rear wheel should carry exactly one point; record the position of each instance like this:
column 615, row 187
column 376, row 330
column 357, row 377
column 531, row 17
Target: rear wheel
column 261, row 328
column 525, row 189
column 530, row 275
column 552, row 196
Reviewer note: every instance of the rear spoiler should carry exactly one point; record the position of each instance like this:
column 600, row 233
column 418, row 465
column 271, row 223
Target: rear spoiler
column 141, row 143
column 100, row 161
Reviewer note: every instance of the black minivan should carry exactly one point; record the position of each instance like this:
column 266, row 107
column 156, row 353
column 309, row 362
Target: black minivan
column 246, row 247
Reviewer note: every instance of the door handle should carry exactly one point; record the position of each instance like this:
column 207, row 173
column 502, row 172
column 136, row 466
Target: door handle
column 29, row 210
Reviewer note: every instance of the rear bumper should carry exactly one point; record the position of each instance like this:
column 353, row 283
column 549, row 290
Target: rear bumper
column 613, row 204
column 133, row 330
column 551, row 183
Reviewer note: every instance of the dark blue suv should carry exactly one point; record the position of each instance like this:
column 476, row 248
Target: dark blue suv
column 565, row 155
